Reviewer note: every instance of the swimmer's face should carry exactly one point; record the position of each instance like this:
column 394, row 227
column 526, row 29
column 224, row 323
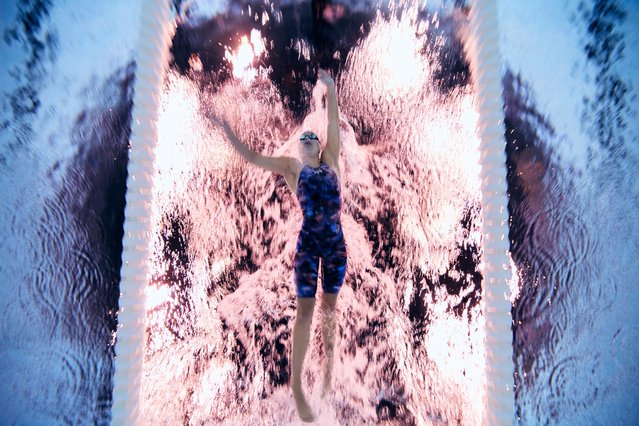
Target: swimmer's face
column 309, row 144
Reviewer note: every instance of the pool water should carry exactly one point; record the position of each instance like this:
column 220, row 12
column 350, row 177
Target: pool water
column 220, row 298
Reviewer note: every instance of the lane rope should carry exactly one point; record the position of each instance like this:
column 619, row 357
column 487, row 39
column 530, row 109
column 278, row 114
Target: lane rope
column 155, row 35
column 482, row 46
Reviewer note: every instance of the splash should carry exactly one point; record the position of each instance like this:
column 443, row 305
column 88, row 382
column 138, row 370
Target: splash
column 410, row 344
column 401, row 40
column 244, row 57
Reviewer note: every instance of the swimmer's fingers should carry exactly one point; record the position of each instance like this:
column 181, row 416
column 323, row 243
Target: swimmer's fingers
column 230, row 134
column 325, row 78
column 217, row 121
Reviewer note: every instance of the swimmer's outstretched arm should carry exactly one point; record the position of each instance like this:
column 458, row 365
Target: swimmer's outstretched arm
column 332, row 134
column 282, row 165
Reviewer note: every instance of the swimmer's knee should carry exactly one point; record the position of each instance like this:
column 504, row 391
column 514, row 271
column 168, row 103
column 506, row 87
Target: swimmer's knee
column 305, row 306
column 329, row 300
column 304, row 317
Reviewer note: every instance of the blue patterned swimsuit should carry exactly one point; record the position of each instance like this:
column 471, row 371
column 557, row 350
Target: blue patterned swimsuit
column 318, row 192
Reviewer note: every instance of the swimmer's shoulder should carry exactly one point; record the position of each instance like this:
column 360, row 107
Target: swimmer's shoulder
column 332, row 163
column 295, row 169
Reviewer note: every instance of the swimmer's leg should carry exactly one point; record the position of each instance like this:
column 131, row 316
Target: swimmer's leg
column 301, row 337
column 328, row 337
column 333, row 273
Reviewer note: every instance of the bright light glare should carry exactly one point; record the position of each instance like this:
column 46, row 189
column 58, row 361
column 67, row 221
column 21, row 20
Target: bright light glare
column 155, row 296
column 258, row 42
column 398, row 66
column 401, row 65
column 242, row 60
column 459, row 354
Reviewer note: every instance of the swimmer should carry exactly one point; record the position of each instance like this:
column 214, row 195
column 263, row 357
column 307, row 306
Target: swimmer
column 315, row 179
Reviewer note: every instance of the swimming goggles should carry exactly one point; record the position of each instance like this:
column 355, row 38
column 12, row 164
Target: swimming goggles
column 309, row 136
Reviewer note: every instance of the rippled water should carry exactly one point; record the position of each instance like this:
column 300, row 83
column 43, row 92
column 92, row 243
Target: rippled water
column 220, row 302
column 60, row 269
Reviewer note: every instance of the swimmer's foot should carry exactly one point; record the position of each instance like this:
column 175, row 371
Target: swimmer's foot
column 327, row 387
column 303, row 409
column 327, row 390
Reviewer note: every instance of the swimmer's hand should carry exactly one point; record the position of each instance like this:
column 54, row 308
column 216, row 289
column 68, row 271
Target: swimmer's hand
column 230, row 134
column 242, row 149
column 326, row 79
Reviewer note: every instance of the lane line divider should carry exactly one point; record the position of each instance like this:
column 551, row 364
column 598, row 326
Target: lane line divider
column 156, row 32
column 482, row 47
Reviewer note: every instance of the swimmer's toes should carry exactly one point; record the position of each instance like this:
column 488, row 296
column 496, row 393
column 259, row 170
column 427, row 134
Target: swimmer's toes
column 326, row 391
column 307, row 418
column 327, row 387
column 305, row 413
column 303, row 409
